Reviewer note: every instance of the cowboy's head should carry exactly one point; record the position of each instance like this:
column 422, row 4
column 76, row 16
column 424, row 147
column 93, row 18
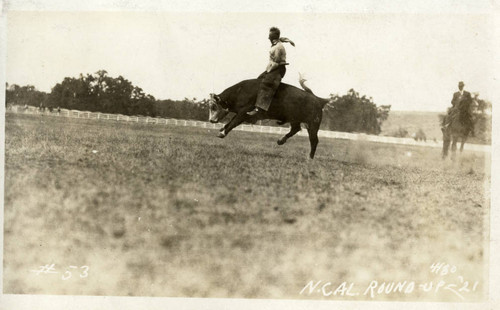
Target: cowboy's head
column 274, row 34
column 461, row 85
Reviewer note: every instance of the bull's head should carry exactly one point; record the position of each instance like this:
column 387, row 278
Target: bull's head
column 216, row 111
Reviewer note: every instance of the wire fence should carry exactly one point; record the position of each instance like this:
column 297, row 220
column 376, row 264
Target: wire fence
column 244, row 127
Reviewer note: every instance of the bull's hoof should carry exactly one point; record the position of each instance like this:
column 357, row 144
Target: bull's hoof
column 221, row 135
column 281, row 141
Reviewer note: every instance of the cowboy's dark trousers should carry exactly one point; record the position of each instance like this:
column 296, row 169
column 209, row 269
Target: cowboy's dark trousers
column 268, row 86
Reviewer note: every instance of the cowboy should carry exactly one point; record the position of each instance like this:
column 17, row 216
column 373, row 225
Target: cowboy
column 458, row 97
column 275, row 71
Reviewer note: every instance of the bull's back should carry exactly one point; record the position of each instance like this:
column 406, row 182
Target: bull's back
column 290, row 103
column 295, row 105
column 285, row 92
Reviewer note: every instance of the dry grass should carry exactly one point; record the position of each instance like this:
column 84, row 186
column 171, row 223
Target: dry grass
column 174, row 211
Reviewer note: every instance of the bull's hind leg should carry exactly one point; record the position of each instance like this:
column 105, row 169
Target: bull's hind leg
column 295, row 127
column 313, row 138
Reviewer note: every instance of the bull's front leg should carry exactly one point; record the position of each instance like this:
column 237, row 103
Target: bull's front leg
column 224, row 128
column 222, row 133
column 235, row 121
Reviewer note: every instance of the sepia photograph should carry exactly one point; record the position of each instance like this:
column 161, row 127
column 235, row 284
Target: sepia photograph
column 230, row 152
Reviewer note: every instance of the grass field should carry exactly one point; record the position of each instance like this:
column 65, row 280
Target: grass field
column 174, row 211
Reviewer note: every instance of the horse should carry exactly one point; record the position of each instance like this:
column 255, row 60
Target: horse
column 459, row 126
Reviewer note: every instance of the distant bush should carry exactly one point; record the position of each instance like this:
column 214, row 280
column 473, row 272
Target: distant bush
column 354, row 113
column 482, row 128
column 24, row 95
column 400, row 133
column 185, row 109
column 420, row 135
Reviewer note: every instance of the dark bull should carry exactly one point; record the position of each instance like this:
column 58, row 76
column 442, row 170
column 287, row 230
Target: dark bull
column 290, row 105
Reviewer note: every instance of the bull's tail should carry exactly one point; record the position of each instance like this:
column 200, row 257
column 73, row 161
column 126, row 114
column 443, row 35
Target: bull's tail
column 302, row 82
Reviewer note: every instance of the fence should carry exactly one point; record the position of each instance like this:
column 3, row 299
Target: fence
column 244, row 127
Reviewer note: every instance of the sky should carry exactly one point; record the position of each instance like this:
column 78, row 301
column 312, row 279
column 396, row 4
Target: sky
column 411, row 61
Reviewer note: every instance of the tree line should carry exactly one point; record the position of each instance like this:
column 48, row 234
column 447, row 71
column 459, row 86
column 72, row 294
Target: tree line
column 24, row 95
column 100, row 92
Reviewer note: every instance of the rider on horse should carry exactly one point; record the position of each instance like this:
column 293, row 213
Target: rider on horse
column 461, row 100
